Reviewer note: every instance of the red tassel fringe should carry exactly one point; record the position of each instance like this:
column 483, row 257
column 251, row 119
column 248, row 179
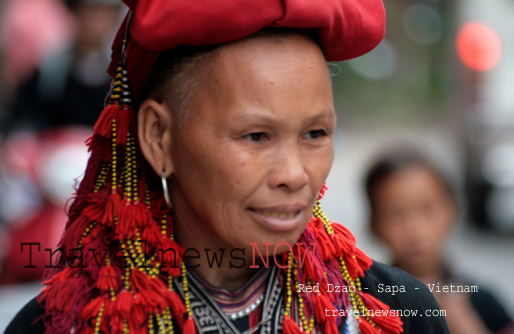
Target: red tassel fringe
column 189, row 326
column 322, row 303
column 389, row 324
column 124, row 122
column 290, row 327
column 366, row 328
column 107, row 279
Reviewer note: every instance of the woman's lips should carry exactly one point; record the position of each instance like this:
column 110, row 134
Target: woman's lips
column 279, row 219
column 280, row 215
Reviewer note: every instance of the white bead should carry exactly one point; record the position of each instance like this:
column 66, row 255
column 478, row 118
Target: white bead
column 248, row 310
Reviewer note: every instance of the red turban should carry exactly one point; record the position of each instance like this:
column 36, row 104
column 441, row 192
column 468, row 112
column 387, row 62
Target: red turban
column 347, row 28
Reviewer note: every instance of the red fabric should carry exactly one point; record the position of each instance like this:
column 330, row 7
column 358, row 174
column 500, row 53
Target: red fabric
column 347, row 28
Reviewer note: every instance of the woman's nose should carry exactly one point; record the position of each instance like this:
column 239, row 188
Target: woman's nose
column 289, row 170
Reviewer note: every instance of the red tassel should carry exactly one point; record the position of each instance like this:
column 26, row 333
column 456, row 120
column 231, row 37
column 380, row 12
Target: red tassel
column 107, row 279
column 139, row 280
column 132, row 215
column 177, row 306
column 309, row 270
column 103, row 125
column 91, row 310
column 322, row 191
column 94, row 165
column 151, row 234
column 357, row 262
column 116, row 324
column 88, row 330
column 123, row 124
column 111, row 209
column 189, row 326
column 139, row 317
column 366, row 328
column 91, row 236
column 126, row 221
column 171, row 256
column 326, row 246
column 351, row 265
column 345, row 232
column 142, row 216
column 390, row 323
column 331, row 326
column 58, row 278
column 73, row 233
column 151, row 291
column 343, row 240
column 363, row 260
column 95, row 208
column 342, row 245
column 322, row 303
column 290, row 327
column 123, row 303
column 60, row 288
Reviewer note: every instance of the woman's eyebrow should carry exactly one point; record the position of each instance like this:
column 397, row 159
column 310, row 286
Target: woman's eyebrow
column 268, row 117
column 325, row 114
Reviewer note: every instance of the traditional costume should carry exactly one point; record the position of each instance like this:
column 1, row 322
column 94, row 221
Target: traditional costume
column 121, row 202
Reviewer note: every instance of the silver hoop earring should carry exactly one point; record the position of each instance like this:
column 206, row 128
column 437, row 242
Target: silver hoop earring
column 165, row 190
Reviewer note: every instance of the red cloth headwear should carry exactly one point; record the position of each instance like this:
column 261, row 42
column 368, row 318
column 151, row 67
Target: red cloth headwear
column 347, row 28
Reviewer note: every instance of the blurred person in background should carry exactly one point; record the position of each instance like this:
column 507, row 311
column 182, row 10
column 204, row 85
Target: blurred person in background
column 30, row 31
column 413, row 210
column 71, row 81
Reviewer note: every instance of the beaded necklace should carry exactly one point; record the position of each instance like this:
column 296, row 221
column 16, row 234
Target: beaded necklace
column 240, row 303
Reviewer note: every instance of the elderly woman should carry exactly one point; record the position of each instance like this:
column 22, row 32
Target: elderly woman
column 199, row 210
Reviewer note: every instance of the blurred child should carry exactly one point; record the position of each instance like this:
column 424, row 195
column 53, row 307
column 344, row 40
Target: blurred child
column 413, row 210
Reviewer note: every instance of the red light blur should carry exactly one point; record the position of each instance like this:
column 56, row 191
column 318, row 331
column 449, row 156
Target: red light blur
column 478, row 46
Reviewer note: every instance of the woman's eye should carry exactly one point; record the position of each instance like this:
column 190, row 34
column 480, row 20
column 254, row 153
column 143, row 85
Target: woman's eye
column 256, row 136
column 314, row 134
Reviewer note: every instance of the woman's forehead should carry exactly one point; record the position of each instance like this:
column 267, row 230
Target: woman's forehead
column 266, row 60
column 266, row 44
column 262, row 79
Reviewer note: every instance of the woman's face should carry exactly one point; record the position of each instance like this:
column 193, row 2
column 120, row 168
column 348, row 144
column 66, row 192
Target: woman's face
column 413, row 214
column 256, row 147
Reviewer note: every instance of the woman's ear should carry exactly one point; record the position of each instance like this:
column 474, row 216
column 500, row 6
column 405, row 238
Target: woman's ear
column 154, row 133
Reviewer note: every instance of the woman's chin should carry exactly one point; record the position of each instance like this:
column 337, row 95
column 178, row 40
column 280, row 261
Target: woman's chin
column 275, row 245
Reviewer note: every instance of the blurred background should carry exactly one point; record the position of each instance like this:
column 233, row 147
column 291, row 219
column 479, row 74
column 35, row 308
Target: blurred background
column 441, row 81
column 53, row 60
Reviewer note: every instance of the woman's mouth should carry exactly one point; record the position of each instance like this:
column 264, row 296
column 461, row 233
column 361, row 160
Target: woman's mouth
column 280, row 215
column 280, row 218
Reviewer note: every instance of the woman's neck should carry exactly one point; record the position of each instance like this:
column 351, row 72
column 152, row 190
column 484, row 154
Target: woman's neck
column 227, row 278
column 219, row 265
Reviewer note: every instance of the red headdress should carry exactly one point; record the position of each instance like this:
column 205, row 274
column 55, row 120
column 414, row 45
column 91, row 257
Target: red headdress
column 347, row 28
column 109, row 281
